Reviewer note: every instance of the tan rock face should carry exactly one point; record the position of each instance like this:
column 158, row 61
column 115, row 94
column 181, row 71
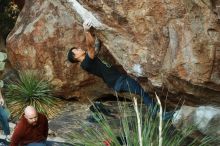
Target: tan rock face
column 204, row 118
column 175, row 44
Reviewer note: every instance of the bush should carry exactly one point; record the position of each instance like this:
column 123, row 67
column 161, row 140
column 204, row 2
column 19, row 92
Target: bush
column 30, row 89
column 8, row 15
column 128, row 133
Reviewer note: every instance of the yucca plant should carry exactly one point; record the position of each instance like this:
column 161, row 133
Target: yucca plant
column 135, row 129
column 30, row 89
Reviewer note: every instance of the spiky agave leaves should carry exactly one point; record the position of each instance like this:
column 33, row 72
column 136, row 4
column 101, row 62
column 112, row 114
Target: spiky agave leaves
column 31, row 89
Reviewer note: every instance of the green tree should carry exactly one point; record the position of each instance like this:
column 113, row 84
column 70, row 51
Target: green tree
column 8, row 15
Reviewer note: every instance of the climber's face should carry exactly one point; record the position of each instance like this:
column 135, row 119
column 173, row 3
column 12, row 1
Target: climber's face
column 78, row 53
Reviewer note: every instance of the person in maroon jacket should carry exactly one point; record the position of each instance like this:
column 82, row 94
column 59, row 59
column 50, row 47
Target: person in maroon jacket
column 31, row 130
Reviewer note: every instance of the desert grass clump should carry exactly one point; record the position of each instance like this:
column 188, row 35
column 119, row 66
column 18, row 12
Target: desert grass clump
column 137, row 128
column 31, row 88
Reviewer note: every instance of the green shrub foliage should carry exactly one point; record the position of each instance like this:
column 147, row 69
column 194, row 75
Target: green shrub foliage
column 8, row 15
column 30, row 89
column 107, row 132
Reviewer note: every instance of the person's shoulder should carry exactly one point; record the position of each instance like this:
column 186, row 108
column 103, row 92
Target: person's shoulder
column 22, row 119
column 41, row 115
column 21, row 123
column 87, row 56
column 87, row 61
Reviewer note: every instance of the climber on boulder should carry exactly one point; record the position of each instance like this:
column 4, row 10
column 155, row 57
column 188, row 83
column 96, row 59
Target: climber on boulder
column 111, row 76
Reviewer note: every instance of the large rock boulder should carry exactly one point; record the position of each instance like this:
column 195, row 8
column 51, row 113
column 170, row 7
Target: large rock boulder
column 204, row 118
column 175, row 44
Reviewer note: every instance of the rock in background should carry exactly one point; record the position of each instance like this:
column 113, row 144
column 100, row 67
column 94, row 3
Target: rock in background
column 204, row 118
column 174, row 44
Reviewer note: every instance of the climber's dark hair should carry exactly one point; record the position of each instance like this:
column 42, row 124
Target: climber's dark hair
column 71, row 56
